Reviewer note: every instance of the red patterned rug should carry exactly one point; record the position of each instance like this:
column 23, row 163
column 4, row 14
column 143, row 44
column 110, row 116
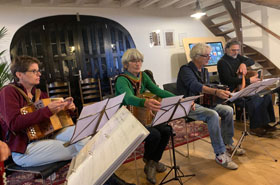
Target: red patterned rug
column 185, row 133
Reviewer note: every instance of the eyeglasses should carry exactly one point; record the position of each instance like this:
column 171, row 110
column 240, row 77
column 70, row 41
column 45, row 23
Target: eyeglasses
column 34, row 71
column 135, row 61
column 235, row 50
column 205, row 56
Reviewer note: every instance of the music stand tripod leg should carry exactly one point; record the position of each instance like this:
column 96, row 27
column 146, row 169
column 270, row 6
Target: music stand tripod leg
column 246, row 133
column 176, row 168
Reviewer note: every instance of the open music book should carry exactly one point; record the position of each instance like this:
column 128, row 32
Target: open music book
column 107, row 150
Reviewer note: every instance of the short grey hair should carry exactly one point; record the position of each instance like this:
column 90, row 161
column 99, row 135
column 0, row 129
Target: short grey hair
column 198, row 49
column 232, row 42
column 130, row 55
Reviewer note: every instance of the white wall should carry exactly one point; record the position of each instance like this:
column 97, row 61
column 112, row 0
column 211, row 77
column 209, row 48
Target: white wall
column 164, row 62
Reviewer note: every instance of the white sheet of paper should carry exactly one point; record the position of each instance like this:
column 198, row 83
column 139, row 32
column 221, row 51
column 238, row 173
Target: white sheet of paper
column 166, row 109
column 90, row 114
column 112, row 106
column 169, row 104
column 253, row 89
column 107, row 150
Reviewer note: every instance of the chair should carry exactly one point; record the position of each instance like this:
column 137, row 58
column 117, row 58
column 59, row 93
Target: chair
column 90, row 90
column 58, row 89
column 44, row 171
column 112, row 81
column 172, row 87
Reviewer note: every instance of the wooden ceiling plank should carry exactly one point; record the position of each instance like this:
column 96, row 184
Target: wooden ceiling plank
column 213, row 6
column 127, row 3
column 184, row 3
column 166, row 3
column 147, row 3
column 80, row 2
column 26, row 2
column 104, row 2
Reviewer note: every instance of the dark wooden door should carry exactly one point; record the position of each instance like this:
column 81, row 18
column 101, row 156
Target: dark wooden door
column 73, row 47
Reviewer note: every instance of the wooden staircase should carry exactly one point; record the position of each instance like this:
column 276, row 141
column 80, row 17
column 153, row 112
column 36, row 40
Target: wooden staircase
column 222, row 19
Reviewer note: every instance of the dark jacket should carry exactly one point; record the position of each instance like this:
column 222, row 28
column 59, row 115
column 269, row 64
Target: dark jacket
column 190, row 81
column 227, row 68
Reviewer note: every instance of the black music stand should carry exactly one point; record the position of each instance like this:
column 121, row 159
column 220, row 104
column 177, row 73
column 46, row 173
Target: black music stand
column 174, row 109
column 93, row 117
column 251, row 90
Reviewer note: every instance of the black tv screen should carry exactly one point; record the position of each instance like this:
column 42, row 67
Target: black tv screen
column 216, row 53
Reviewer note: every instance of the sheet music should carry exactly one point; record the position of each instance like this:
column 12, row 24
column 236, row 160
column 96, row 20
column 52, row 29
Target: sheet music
column 169, row 104
column 253, row 89
column 107, row 150
column 185, row 106
column 90, row 115
column 166, row 109
column 113, row 105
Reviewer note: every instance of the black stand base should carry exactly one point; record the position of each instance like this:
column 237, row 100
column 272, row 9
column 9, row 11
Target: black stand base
column 177, row 172
column 178, row 175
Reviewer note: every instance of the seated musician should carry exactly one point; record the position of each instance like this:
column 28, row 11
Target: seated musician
column 134, row 82
column 25, row 153
column 260, row 109
column 192, row 80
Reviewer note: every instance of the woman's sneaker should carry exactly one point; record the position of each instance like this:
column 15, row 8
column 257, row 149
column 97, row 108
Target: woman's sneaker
column 239, row 151
column 225, row 161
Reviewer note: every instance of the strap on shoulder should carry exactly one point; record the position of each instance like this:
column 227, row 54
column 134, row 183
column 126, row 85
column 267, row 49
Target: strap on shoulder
column 135, row 83
column 22, row 93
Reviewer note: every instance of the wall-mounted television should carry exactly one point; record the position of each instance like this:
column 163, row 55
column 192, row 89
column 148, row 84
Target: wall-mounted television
column 216, row 53
column 217, row 44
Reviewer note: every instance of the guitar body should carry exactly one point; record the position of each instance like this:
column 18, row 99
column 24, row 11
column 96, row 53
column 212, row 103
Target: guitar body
column 45, row 128
column 144, row 115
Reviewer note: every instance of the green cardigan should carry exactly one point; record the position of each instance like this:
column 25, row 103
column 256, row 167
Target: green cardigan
column 124, row 85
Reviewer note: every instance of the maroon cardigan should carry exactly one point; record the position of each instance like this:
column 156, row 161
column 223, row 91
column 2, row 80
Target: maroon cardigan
column 13, row 123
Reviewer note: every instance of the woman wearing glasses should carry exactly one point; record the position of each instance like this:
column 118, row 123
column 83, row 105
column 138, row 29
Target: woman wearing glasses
column 26, row 73
column 135, row 82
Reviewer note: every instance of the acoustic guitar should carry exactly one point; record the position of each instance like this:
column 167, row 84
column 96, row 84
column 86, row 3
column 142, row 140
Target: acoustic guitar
column 43, row 129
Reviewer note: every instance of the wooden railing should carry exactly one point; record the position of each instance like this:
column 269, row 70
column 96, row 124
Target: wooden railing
column 258, row 24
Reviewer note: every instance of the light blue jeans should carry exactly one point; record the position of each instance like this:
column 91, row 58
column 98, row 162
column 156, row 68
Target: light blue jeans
column 219, row 135
column 50, row 150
